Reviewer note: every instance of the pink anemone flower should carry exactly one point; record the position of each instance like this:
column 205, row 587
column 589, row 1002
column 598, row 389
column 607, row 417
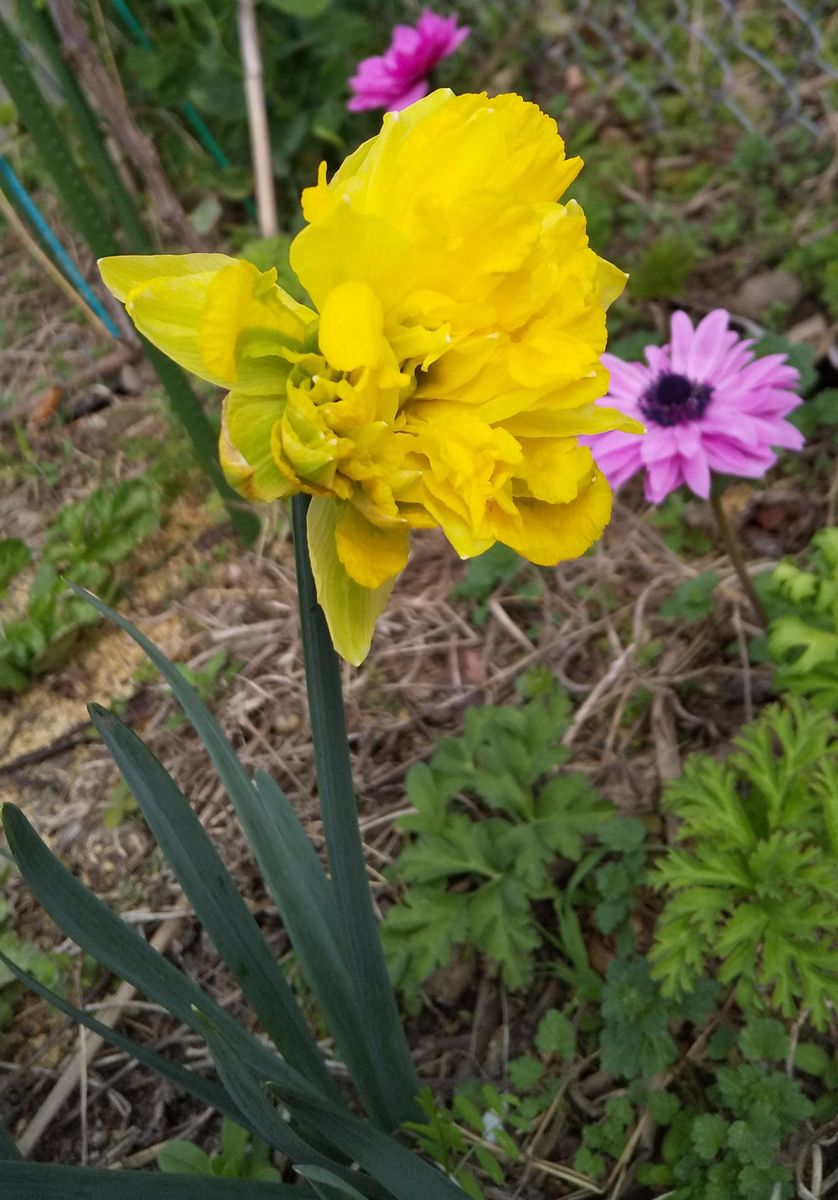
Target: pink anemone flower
column 708, row 405
column 400, row 76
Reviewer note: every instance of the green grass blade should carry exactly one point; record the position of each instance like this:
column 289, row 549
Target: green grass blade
column 92, row 925
column 213, row 894
column 42, row 1181
column 374, row 997
column 206, row 1090
column 52, row 145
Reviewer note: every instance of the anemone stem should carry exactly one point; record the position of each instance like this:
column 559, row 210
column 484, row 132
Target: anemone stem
column 734, row 551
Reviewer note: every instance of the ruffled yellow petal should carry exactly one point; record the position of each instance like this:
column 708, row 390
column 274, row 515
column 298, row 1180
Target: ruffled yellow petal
column 549, row 533
column 554, row 469
column 245, row 447
column 352, row 327
column 351, row 610
column 370, row 553
column 220, row 318
column 122, row 273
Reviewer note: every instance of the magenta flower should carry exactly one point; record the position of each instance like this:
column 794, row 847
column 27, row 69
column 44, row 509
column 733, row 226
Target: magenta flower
column 707, row 404
column 400, row 76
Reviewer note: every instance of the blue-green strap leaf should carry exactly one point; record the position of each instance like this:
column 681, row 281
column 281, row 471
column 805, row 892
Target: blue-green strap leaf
column 8, row 1150
column 216, row 900
column 304, row 898
column 284, row 854
column 92, row 925
column 246, row 1088
column 43, row 1181
column 207, row 1090
column 327, row 1185
column 358, row 928
column 403, row 1173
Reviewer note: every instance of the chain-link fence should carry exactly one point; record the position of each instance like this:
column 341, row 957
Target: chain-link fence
column 766, row 65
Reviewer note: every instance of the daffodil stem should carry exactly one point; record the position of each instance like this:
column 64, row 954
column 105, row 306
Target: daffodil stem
column 734, row 551
column 364, row 959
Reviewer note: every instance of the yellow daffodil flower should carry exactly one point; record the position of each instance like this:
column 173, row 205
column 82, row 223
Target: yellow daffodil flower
column 448, row 365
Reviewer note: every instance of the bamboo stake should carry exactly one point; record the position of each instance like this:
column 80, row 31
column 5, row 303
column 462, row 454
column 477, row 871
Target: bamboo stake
column 257, row 118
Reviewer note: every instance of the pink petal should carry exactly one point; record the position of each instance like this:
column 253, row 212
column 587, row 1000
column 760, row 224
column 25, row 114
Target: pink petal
column 732, row 458
column 681, row 335
column 707, row 346
column 662, row 478
column 696, row 470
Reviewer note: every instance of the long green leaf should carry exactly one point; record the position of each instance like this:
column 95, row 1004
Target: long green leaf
column 42, row 1181
column 374, row 996
column 8, row 1150
column 327, row 1185
column 301, row 891
column 305, row 900
column 217, row 903
column 394, row 1167
column 206, row 1090
column 249, row 1090
column 92, row 925
column 246, row 1088
column 403, row 1173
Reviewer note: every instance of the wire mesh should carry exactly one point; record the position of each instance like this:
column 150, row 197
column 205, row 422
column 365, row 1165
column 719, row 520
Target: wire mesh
column 766, row 65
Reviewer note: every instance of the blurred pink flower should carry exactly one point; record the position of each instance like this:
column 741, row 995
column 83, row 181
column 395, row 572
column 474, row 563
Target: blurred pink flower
column 400, row 76
column 707, row 404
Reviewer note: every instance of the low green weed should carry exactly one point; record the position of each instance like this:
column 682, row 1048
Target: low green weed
column 49, row 968
column 496, row 568
column 671, row 519
column 729, row 1150
column 85, row 544
column 753, row 879
column 692, row 599
column 240, row 1157
column 493, row 818
column 803, row 641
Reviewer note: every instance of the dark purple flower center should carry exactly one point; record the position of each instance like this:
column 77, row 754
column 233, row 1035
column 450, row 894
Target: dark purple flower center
column 673, row 399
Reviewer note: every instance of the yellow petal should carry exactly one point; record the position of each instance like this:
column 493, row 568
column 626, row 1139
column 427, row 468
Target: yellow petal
column 549, row 533
column 223, row 317
column 122, row 273
column 228, row 324
column 554, row 468
column 370, row 553
column 245, row 446
column 351, row 325
column 351, row 610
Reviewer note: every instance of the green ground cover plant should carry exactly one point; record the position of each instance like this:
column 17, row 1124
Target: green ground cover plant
column 493, row 817
column 751, row 881
column 86, row 543
column 803, row 640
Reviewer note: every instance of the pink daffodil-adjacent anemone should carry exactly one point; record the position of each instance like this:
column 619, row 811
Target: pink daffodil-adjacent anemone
column 395, row 79
column 445, row 370
column 708, row 405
